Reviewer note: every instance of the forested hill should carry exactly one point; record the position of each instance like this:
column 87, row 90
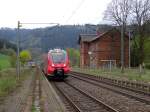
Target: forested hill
column 50, row 37
column 6, row 44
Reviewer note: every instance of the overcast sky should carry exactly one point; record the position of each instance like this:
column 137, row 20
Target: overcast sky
column 51, row 11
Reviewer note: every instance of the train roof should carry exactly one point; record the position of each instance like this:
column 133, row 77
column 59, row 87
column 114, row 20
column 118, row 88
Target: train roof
column 57, row 50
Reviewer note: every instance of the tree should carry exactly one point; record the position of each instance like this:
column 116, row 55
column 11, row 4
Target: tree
column 74, row 56
column 25, row 56
column 135, row 51
column 118, row 12
column 141, row 17
column 13, row 59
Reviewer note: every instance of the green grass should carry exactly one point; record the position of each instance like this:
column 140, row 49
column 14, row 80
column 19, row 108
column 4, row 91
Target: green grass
column 129, row 74
column 9, row 82
column 6, row 85
column 4, row 61
column 33, row 109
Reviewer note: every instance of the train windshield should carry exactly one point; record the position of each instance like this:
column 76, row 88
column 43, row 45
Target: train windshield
column 58, row 57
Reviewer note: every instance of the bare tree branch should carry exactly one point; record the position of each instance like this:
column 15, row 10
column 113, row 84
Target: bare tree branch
column 118, row 11
column 141, row 10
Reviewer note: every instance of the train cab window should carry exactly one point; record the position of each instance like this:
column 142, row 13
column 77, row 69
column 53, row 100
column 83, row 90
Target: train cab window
column 58, row 57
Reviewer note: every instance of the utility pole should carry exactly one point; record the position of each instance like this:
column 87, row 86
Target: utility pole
column 122, row 48
column 19, row 24
column 18, row 49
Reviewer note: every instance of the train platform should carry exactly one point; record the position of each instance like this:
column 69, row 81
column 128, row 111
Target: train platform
column 49, row 98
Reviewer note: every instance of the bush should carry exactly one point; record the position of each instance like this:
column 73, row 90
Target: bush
column 8, row 52
column 12, row 60
column 12, row 56
column 4, row 61
column 147, row 65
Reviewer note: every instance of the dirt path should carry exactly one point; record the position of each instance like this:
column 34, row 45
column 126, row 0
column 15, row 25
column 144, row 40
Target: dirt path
column 17, row 100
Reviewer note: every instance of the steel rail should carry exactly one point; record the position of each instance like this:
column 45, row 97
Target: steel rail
column 43, row 76
column 110, row 83
column 70, row 101
column 114, row 90
column 107, row 107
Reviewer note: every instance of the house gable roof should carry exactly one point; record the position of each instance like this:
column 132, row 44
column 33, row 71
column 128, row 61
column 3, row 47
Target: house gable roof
column 109, row 32
column 93, row 37
column 86, row 37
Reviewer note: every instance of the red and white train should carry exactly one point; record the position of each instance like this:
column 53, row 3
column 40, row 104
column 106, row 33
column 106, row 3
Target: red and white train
column 56, row 64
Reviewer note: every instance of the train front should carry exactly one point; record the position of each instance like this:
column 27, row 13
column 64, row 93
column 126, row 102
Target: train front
column 58, row 64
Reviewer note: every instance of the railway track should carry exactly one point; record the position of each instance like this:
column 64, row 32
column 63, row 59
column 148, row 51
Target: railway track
column 145, row 98
column 52, row 103
column 80, row 94
column 81, row 100
column 141, row 88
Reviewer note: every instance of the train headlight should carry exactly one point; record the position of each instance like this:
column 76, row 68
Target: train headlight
column 53, row 65
column 64, row 65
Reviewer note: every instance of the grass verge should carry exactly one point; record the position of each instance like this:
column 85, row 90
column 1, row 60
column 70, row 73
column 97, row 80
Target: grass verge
column 9, row 82
column 33, row 109
column 129, row 74
column 4, row 61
